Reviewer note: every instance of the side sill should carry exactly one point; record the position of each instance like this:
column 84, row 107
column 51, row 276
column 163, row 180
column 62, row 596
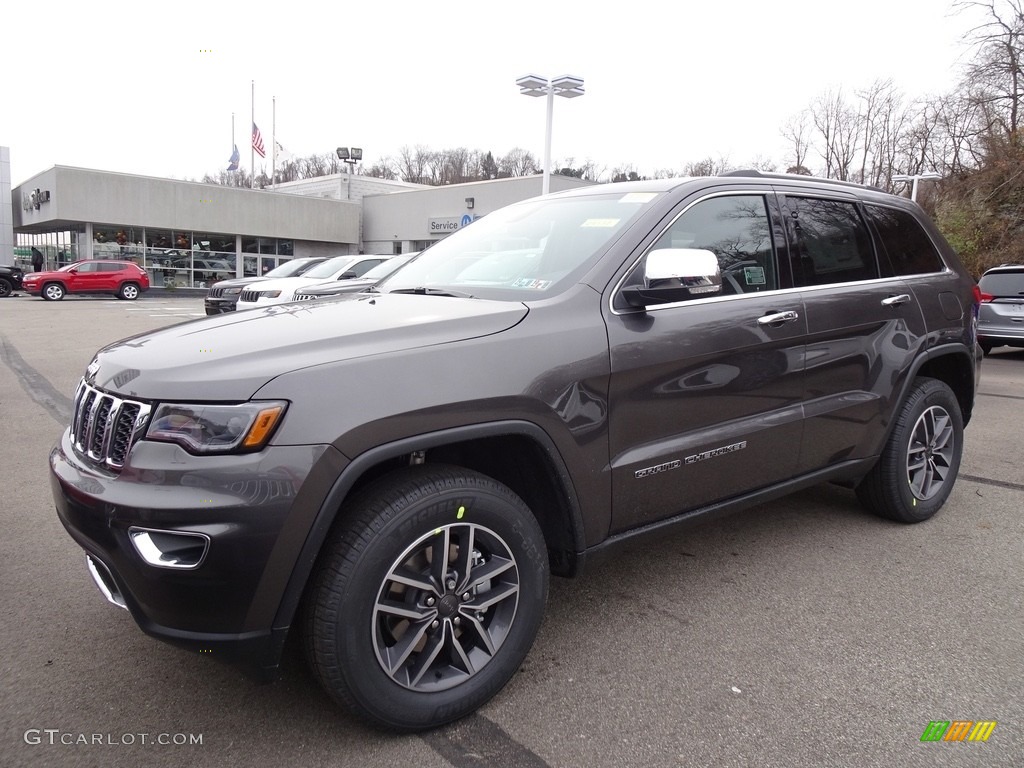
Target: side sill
column 848, row 471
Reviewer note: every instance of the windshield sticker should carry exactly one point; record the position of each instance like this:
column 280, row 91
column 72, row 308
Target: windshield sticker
column 600, row 223
column 753, row 275
column 638, row 197
column 531, row 284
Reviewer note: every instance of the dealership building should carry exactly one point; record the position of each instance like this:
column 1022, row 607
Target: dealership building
column 193, row 234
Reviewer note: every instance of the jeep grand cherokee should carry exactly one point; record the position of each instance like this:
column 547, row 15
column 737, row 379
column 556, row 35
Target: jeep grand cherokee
column 562, row 375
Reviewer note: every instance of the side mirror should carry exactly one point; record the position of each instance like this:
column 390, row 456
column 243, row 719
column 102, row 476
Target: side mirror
column 676, row 274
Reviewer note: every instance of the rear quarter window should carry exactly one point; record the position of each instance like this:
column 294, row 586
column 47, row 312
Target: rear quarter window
column 904, row 241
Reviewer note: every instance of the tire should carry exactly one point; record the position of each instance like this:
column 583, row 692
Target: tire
column 128, row 291
column 919, row 464
column 375, row 585
column 6, row 288
column 53, row 292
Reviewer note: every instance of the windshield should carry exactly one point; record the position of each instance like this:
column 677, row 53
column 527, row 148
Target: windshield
column 330, row 267
column 524, row 251
column 385, row 268
column 290, row 268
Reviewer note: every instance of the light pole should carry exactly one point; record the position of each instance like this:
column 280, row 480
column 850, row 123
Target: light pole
column 566, row 86
column 913, row 179
column 351, row 157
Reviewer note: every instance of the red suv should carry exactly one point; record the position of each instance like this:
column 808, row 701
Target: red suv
column 121, row 278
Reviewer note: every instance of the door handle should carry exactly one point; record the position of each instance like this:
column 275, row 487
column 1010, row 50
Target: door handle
column 778, row 318
column 895, row 301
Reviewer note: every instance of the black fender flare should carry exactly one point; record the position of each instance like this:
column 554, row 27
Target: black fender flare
column 331, row 505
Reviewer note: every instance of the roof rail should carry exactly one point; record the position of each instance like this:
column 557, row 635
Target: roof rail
column 795, row 177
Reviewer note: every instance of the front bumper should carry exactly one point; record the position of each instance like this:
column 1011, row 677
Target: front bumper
column 219, row 306
column 255, row 510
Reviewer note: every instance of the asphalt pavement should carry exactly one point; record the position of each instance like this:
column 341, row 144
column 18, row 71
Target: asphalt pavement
column 799, row 633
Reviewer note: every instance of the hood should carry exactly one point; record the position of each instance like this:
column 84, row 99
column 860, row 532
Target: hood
column 237, row 282
column 50, row 273
column 288, row 285
column 229, row 357
column 353, row 285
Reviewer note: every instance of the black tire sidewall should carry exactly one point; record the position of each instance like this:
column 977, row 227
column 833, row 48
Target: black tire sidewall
column 6, row 287
column 379, row 697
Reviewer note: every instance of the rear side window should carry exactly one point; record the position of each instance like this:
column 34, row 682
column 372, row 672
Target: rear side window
column 108, row 266
column 832, row 243
column 737, row 229
column 908, row 246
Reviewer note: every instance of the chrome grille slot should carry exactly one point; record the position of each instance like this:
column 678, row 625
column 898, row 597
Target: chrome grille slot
column 104, row 427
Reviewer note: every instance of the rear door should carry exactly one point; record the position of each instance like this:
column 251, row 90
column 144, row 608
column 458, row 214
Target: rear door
column 705, row 394
column 862, row 327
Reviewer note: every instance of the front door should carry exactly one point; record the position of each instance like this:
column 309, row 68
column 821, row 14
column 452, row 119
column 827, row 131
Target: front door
column 706, row 393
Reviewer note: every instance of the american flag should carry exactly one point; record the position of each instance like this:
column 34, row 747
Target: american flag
column 257, row 141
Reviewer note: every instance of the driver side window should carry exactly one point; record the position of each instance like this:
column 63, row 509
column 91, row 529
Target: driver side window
column 738, row 230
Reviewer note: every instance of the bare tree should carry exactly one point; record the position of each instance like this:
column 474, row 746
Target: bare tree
column 797, row 132
column 839, row 127
column 518, row 162
column 997, row 72
column 412, row 164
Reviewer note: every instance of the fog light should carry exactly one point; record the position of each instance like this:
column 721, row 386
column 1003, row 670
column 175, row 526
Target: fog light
column 170, row 549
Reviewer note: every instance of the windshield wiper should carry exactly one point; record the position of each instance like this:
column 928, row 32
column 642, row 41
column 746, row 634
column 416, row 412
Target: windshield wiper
column 423, row 291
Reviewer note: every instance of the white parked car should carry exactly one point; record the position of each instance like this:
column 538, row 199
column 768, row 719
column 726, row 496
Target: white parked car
column 279, row 291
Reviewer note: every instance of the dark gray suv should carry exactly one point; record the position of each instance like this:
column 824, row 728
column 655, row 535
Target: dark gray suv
column 560, row 376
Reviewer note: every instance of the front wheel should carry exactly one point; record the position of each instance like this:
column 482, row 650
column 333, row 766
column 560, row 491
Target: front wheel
column 917, row 469
column 427, row 597
column 6, row 288
column 53, row 291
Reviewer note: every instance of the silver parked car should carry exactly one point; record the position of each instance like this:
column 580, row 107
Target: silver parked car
column 1001, row 316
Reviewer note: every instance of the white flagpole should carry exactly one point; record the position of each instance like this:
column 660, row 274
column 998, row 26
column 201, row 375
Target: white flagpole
column 273, row 138
column 252, row 122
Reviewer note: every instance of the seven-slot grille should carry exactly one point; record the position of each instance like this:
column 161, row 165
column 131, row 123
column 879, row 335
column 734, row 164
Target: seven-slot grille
column 104, row 427
column 249, row 296
column 305, row 296
column 215, row 293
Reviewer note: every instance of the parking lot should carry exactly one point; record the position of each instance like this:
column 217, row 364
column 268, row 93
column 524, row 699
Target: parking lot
column 800, row 633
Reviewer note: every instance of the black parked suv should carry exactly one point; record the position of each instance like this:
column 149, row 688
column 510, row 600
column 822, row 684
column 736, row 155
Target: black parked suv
column 10, row 280
column 395, row 474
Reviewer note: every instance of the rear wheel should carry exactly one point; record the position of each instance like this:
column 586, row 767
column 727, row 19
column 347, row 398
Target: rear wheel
column 53, row 291
column 428, row 597
column 917, row 469
column 128, row 291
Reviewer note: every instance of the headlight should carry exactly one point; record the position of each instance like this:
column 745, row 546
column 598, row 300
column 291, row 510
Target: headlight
column 232, row 291
column 269, row 294
column 216, row 428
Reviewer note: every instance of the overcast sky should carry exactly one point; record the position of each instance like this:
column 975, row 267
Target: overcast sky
column 150, row 88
